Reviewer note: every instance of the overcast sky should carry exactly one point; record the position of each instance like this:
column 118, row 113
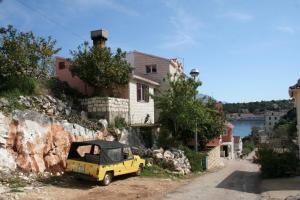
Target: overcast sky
column 245, row 50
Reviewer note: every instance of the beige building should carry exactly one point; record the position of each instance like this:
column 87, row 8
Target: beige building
column 294, row 92
column 155, row 68
column 271, row 118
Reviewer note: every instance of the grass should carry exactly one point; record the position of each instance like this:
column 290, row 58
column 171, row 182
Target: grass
column 16, row 184
column 157, row 171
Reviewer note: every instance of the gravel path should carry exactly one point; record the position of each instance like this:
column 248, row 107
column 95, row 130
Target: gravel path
column 238, row 180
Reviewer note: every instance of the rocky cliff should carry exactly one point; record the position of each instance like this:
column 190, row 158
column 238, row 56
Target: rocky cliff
column 35, row 142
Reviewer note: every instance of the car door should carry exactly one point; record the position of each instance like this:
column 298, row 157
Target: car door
column 128, row 161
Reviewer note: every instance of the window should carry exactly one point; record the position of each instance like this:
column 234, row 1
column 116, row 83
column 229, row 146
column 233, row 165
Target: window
column 61, row 65
column 142, row 92
column 127, row 153
column 115, row 154
column 151, row 69
column 275, row 118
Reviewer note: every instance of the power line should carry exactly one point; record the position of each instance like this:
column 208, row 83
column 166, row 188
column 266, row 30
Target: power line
column 49, row 19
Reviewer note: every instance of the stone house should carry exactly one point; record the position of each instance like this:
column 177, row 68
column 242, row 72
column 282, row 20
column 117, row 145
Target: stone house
column 155, row 68
column 294, row 92
column 238, row 146
column 271, row 118
column 227, row 146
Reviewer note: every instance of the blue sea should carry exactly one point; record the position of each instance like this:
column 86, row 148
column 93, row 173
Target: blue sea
column 243, row 128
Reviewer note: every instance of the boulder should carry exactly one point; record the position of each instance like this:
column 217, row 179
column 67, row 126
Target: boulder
column 103, row 123
column 168, row 155
column 3, row 102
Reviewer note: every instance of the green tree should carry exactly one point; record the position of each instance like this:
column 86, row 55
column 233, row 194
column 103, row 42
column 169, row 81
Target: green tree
column 179, row 112
column 99, row 67
column 23, row 54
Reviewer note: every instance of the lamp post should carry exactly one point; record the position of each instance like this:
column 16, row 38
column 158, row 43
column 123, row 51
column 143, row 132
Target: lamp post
column 195, row 73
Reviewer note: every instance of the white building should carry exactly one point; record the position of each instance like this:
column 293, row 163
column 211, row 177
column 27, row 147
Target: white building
column 155, row 68
column 238, row 146
column 271, row 118
column 294, row 92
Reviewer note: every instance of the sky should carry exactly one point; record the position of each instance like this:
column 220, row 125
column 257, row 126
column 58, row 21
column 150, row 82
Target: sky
column 245, row 50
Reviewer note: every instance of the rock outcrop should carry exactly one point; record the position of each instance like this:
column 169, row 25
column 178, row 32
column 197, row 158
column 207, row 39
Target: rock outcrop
column 35, row 142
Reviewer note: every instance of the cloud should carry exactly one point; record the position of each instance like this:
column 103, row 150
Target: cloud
column 286, row 29
column 113, row 5
column 238, row 16
column 184, row 27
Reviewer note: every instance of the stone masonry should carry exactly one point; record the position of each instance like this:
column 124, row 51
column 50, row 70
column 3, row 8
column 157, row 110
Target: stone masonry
column 214, row 159
column 106, row 107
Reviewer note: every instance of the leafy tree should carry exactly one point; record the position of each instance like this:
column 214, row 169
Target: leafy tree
column 24, row 54
column 180, row 112
column 99, row 67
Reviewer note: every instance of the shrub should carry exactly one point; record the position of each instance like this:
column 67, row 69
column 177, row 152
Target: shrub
column 165, row 139
column 61, row 89
column 274, row 164
column 197, row 159
column 19, row 85
column 120, row 122
column 248, row 147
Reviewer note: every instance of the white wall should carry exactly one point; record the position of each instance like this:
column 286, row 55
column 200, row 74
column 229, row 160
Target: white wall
column 139, row 110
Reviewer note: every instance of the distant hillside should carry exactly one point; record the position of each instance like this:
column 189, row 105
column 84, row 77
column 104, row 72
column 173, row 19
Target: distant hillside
column 258, row 107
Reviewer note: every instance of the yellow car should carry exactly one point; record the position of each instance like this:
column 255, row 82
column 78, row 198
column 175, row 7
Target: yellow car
column 102, row 160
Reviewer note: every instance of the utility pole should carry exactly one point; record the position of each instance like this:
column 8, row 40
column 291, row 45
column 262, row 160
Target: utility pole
column 195, row 73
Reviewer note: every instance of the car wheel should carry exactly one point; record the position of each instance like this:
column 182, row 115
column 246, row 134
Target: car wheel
column 107, row 179
column 140, row 170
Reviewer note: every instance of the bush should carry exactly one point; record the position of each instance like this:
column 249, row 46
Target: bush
column 19, row 85
column 197, row 159
column 120, row 122
column 61, row 89
column 248, row 147
column 274, row 164
column 165, row 139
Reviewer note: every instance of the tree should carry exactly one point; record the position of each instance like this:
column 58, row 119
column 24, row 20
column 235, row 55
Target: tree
column 23, row 54
column 99, row 67
column 179, row 112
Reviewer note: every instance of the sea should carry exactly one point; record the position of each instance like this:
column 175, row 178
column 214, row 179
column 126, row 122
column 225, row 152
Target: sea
column 243, row 127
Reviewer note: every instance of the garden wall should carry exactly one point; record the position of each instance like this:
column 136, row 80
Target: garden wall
column 106, row 107
column 214, row 158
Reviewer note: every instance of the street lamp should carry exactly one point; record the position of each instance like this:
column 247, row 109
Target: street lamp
column 195, row 73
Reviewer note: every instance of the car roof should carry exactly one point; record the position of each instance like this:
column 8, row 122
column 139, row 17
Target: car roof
column 102, row 143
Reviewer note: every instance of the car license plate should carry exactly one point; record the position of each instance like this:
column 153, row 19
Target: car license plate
column 80, row 169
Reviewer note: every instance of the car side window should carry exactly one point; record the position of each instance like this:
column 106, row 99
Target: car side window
column 115, row 154
column 127, row 153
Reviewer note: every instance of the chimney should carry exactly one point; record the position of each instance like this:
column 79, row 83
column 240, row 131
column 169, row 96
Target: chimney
column 99, row 37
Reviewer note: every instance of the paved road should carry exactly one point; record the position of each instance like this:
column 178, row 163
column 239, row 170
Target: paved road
column 239, row 179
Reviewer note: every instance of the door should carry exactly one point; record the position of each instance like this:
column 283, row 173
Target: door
column 128, row 160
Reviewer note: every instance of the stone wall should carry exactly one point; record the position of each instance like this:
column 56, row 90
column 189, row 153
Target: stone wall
column 106, row 107
column 214, row 158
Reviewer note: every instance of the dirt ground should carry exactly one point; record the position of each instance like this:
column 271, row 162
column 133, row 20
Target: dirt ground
column 125, row 188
